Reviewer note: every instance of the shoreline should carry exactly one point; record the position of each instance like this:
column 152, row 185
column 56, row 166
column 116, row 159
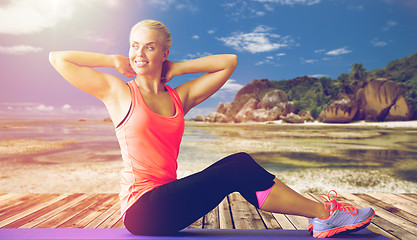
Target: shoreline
column 390, row 124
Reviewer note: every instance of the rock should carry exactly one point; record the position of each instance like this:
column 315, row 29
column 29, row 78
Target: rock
column 339, row 111
column 273, row 98
column 242, row 115
column 379, row 97
column 199, row 118
column 223, row 108
column 400, row 111
column 292, row 118
column 307, row 116
column 216, row 117
column 272, row 105
column 263, row 115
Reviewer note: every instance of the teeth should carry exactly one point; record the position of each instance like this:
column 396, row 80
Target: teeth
column 140, row 63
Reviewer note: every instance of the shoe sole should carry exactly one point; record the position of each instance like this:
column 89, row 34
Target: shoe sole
column 344, row 229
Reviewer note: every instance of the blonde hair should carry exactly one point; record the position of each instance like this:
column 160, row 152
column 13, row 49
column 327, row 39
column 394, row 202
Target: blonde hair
column 155, row 26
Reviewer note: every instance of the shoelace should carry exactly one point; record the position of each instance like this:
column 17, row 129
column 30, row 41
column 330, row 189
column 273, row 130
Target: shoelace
column 338, row 206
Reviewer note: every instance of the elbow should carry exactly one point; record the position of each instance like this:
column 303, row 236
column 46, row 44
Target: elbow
column 233, row 60
column 52, row 57
column 57, row 58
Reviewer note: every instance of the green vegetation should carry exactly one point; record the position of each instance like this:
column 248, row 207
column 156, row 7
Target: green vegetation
column 314, row 95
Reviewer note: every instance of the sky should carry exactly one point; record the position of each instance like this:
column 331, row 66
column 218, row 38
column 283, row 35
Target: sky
column 274, row 39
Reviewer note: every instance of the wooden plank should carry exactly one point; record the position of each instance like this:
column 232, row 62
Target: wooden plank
column 211, row 220
column 283, row 221
column 398, row 202
column 300, row 223
column 244, row 214
column 413, row 195
column 391, row 223
column 45, row 213
column 269, row 220
column 24, row 204
column 113, row 221
column 225, row 217
column 197, row 224
column 5, row 198
column 12, row 205
column 90, row 213
column 119, row 224
column 376, row 228
column 408, row 197
column 36, row 207
column 69, row 213
column 409, row 226
column 115, row 209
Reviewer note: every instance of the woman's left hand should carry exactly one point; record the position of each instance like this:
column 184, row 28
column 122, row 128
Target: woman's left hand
column 167, row 71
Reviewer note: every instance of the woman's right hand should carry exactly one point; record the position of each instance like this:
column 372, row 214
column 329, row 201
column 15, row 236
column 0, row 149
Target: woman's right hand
column 122, row 65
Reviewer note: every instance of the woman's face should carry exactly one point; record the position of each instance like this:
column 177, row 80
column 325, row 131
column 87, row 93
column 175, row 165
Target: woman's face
column 146, row 52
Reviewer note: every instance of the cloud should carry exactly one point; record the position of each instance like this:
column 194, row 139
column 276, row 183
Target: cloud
column 377, row 43
column 228, row 91
column 27, row 17
column 19, row 49
column 191, row 56
column 211, row 31
column 291, row 2
column 259, row 40
column 320, row 51
column 231, row 86
column 195, row 37
column 166, row 5
column 308, row 60
column 94, row 37
column 40, row 110
column 388, row 25
column 318, row 75
column 269, row 60
column 242, row 9
column 199, row 111
column 339, row 51
column 66, row 107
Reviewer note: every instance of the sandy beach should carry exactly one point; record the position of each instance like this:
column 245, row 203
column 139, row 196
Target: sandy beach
column 65, row 156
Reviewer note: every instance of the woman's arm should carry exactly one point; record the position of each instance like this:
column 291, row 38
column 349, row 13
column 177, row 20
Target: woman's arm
column 218, row 69
column 77, row 69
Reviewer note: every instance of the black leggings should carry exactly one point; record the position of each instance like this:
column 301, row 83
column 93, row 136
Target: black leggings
column 173, row 206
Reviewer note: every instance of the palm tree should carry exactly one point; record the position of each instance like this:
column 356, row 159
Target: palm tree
column 344, row 83
column 358, row 75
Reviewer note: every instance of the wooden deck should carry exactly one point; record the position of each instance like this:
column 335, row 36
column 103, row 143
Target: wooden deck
column 396, row 214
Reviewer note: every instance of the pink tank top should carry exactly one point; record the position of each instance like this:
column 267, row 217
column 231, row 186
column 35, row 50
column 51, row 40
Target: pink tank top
column 149, row 144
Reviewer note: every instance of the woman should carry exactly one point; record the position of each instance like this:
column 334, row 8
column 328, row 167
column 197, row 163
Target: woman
column 148, row 117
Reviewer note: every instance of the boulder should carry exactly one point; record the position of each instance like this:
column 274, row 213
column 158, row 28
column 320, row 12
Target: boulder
column 263, row 115
column 243, row 114
column 399, row 111
column 307, row 116
column 342, row 110
column 216, row 117
column 223, row 108
column 383, row 100
column 273, row 98
column 292, row 118
column 199, row 118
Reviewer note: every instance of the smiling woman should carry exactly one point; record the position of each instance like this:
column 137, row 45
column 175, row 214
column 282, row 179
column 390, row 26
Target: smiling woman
column 148, row 116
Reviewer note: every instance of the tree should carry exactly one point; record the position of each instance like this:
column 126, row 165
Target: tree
column 358, row 75
column 344, row 83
